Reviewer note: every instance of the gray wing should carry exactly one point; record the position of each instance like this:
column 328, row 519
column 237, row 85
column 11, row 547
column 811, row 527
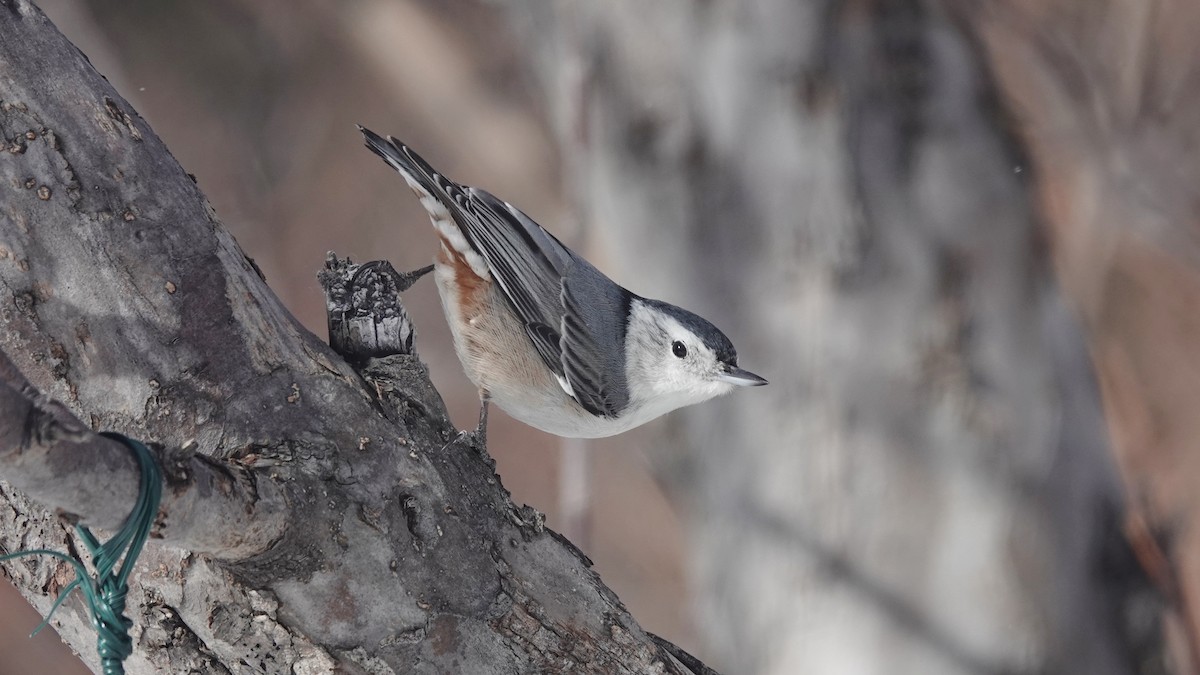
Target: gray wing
column 595, row 316
column 574, row 315
column 527, row 263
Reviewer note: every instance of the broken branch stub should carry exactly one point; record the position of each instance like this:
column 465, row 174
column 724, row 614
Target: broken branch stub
column 366, row 318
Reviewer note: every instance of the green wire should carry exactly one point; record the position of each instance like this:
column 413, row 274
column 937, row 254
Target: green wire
column 105, row 594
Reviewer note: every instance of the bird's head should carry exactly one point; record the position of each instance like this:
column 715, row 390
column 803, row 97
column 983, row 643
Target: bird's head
column 676, row 358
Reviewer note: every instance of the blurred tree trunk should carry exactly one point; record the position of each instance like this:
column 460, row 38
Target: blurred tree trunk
column 926, row 486
column 1107, row 94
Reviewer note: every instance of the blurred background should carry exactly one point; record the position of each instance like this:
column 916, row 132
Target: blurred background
column 959, row 238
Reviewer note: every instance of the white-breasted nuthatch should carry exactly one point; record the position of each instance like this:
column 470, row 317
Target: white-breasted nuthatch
column 548, row 337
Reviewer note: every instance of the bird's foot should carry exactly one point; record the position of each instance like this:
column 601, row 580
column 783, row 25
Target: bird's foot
column 477, row 437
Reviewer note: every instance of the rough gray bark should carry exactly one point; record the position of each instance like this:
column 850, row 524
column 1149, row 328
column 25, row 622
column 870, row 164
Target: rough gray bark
column 926, row 486
column 125, row 299
column 223, row 510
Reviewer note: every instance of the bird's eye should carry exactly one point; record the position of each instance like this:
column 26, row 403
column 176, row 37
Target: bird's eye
column 678, row 349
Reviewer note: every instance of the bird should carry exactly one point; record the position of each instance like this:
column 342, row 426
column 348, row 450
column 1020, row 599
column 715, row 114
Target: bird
column 545, row 335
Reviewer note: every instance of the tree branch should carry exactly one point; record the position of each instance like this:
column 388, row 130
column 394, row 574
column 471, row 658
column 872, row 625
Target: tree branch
column 123, row 297
column 207, row 507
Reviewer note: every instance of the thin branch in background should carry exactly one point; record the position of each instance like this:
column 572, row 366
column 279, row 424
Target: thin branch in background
column 889, row 603
column 575, row 491
column 575, row 471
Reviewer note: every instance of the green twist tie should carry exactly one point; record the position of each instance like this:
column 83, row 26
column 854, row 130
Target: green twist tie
column 105, row 595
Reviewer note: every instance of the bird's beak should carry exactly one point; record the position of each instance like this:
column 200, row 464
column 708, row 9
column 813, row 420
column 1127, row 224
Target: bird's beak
column 741, row 378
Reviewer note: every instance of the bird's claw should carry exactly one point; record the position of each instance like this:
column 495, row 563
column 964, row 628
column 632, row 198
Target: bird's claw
column 476, row 438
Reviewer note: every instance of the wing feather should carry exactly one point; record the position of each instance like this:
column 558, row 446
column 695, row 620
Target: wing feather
column 573, row 314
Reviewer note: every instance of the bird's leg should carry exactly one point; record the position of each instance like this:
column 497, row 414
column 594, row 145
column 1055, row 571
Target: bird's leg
column 479, row 435
column 403, row 281
column 481, row 428
column 407, row 279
